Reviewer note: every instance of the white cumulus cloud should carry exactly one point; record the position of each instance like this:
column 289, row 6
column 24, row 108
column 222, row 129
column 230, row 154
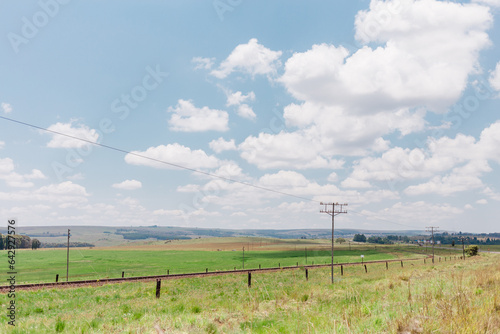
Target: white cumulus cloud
column 220, row 145
column 495, row 78
column 252, row 58
column 203, row 63
column 188, row 118
column 424, row 60
column 6, row 107
column 74, row 130
column 174, row 154
column 128, row 185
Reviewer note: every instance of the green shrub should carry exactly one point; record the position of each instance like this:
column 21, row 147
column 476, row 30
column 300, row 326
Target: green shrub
column 472, row 250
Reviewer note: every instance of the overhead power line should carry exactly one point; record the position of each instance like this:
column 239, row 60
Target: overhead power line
column 188, row 168
column 158, row 160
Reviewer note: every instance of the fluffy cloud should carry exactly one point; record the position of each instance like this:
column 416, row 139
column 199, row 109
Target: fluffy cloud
column 235, row 99
column 463, row 178
column 78, row 131
column 424, row 59
column 285, row 150
column 229, row 195
column 419, row 62
column 16, row 180
column 466, row 157
column 203, row 63
column 220, row 145
column 65, row 194
column 252, row 58
column 355, row 183
column 188, row 118
column 398, row 163
column 174, row 154
column 66, row 189
column 246, row 111
column 495, row 77
column 6, row 107
column 238, row 99
column 128, row 185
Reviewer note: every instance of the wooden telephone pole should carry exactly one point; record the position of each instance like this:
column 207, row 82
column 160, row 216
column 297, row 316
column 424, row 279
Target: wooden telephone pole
column 67, row 259
column 335, row 210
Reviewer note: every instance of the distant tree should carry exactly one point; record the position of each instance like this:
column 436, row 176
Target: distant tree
column 453, row 243
column 340, row 240
column 1, row 242
column 472, row 250
column 25, row 242
column 359, row 238
column 35, row 244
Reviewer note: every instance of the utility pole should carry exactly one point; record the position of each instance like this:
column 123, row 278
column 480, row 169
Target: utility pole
column 67, row 259
column 333, row 212
column 463, row 248
column 432, row 229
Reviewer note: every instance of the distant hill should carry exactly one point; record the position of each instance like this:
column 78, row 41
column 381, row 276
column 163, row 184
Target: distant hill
column 102, row 236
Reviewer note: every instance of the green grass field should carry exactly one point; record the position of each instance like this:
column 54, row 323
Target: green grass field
column 448, row 297
column 43, row 265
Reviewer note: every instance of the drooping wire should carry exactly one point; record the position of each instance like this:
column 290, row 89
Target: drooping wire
column 158, row 160
column 190, row 169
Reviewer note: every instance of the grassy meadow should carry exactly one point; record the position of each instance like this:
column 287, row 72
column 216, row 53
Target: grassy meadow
column 448, row 297
column 42, row 265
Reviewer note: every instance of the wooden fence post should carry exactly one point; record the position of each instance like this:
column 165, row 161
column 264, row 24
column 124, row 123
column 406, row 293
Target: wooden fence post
column 401, row 263
column 307, row 275
column 386, row 265
column 123, row 274
column 341, row 270
column 366, row 269
column 57, row 278
column 249, row 279
column 206, row 270
column 158, row 288
column 259, row 265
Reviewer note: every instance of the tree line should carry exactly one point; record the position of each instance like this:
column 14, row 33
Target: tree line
column 21, row 241
column 25, row 242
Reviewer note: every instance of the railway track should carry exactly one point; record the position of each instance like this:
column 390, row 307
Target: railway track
column 99, row 282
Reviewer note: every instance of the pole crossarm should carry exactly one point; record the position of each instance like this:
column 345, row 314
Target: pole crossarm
column 335, row 210
column 432, row 229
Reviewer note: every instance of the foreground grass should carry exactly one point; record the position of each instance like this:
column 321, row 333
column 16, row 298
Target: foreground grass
column 43, row 265
column 448, row 297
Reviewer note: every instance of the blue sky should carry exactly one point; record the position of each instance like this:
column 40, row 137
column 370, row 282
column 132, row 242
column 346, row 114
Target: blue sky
column 390, row 106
